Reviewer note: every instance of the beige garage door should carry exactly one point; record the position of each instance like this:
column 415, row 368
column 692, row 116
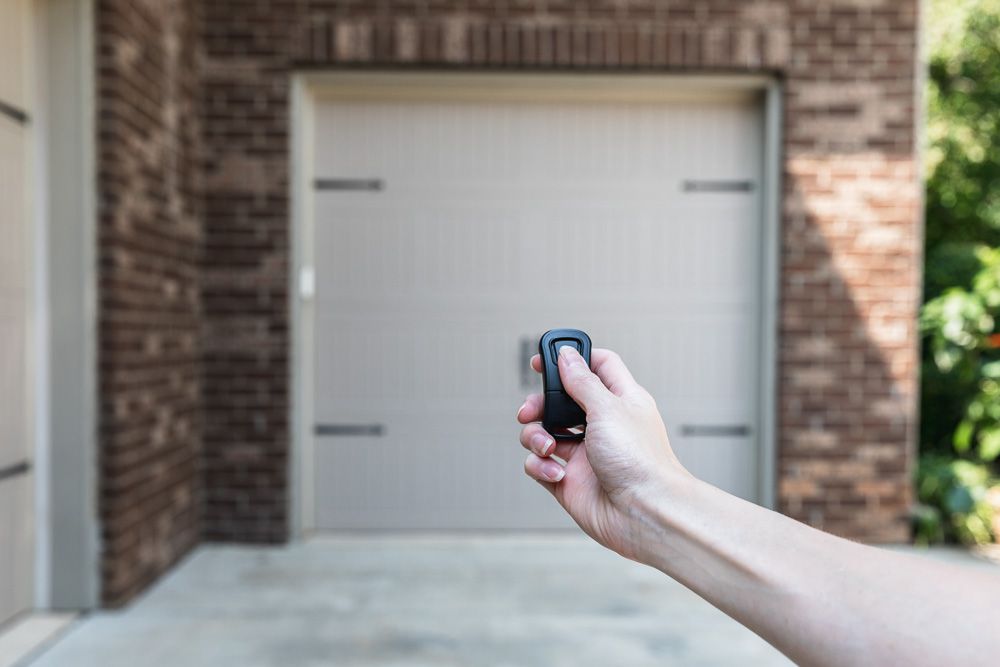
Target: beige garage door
column 450, row 230
column 15, row 416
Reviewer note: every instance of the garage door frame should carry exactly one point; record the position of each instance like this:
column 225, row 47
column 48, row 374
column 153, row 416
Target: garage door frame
column 309, row 88
column 68, row 531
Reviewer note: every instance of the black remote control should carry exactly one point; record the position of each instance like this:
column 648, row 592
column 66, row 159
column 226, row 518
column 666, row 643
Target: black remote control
column 561, row 416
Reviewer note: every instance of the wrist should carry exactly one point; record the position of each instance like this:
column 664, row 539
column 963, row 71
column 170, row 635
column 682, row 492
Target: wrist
column 655, row 512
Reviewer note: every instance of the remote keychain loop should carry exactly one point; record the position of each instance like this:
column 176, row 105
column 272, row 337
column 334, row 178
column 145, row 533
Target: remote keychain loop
column 561, row 416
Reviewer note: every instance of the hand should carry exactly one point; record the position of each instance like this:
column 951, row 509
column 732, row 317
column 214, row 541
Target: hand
column 623, row 464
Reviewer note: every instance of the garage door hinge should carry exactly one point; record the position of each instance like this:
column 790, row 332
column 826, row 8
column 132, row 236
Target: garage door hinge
column 717, row 186
column 715, row 430
column 15, row 114
column 374, row 430
column 365, row 184
column 15, row 470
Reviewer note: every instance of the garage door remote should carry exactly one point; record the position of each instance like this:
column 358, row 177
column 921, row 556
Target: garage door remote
column 561, row 416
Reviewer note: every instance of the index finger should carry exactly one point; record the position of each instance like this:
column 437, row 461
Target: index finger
column 613, row 372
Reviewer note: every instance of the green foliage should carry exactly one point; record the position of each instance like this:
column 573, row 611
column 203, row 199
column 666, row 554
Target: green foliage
column 962, row 200
column 960, row 395
column 958, row 327
column 963, row 123
column 953, row 264
column 954, row 505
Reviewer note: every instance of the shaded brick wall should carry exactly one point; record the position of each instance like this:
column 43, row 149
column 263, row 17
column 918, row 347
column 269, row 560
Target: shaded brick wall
column 851, row 224
column 150, row 242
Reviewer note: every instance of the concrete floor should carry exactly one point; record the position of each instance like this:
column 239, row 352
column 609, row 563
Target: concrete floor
column 413, row 601
column 21, row 637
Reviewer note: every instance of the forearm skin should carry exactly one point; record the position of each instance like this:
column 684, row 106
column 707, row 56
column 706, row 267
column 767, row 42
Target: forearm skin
column 820, row 599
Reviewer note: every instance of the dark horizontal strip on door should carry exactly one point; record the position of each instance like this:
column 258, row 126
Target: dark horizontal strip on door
column 717, row 186
column 715, row 430
column 350, row 429
column 15, row 470
column 12, row 112
column 349, row 184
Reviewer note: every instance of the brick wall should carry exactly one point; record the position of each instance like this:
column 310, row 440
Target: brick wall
column 851, row 231
column 150, row 242
column 851, row 254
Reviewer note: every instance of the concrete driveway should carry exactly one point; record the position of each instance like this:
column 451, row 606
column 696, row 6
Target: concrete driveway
column 413, row 601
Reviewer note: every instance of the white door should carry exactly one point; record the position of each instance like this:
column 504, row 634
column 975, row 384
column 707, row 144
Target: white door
column 448, row 234
column 15, row 415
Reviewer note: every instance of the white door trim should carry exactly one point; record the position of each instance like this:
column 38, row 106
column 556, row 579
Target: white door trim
column 301, row 492
column 67, row 546
column 770, row 295
column 309, row 88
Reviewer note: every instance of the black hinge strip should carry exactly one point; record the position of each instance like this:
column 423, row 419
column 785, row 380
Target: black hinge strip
column 713, row 431
column 357, row 184
column 717, row 186
column 12, row 112
column 350, row 429
column 14, row 470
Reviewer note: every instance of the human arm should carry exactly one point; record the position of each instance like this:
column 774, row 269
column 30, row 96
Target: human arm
column 817, row 598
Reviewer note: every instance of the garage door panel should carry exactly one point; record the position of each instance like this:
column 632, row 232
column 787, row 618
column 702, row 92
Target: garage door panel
column 573, row 143
column 362, row 484
column 677, row 357
column 702, row 459
column 382, row 249
column 14, row 445
column 377, row 248
column 385, row 358
column 498, row 221
column 14, row 306
column 16, row 448
column 14, row 210
column 15, row 545
column 14, row 30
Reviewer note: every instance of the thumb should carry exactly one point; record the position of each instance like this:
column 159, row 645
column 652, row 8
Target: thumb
column 579, row 381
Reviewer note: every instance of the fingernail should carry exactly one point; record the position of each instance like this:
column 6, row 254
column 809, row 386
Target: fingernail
column 553, row 471
column 541, row 444
column 523, row 406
